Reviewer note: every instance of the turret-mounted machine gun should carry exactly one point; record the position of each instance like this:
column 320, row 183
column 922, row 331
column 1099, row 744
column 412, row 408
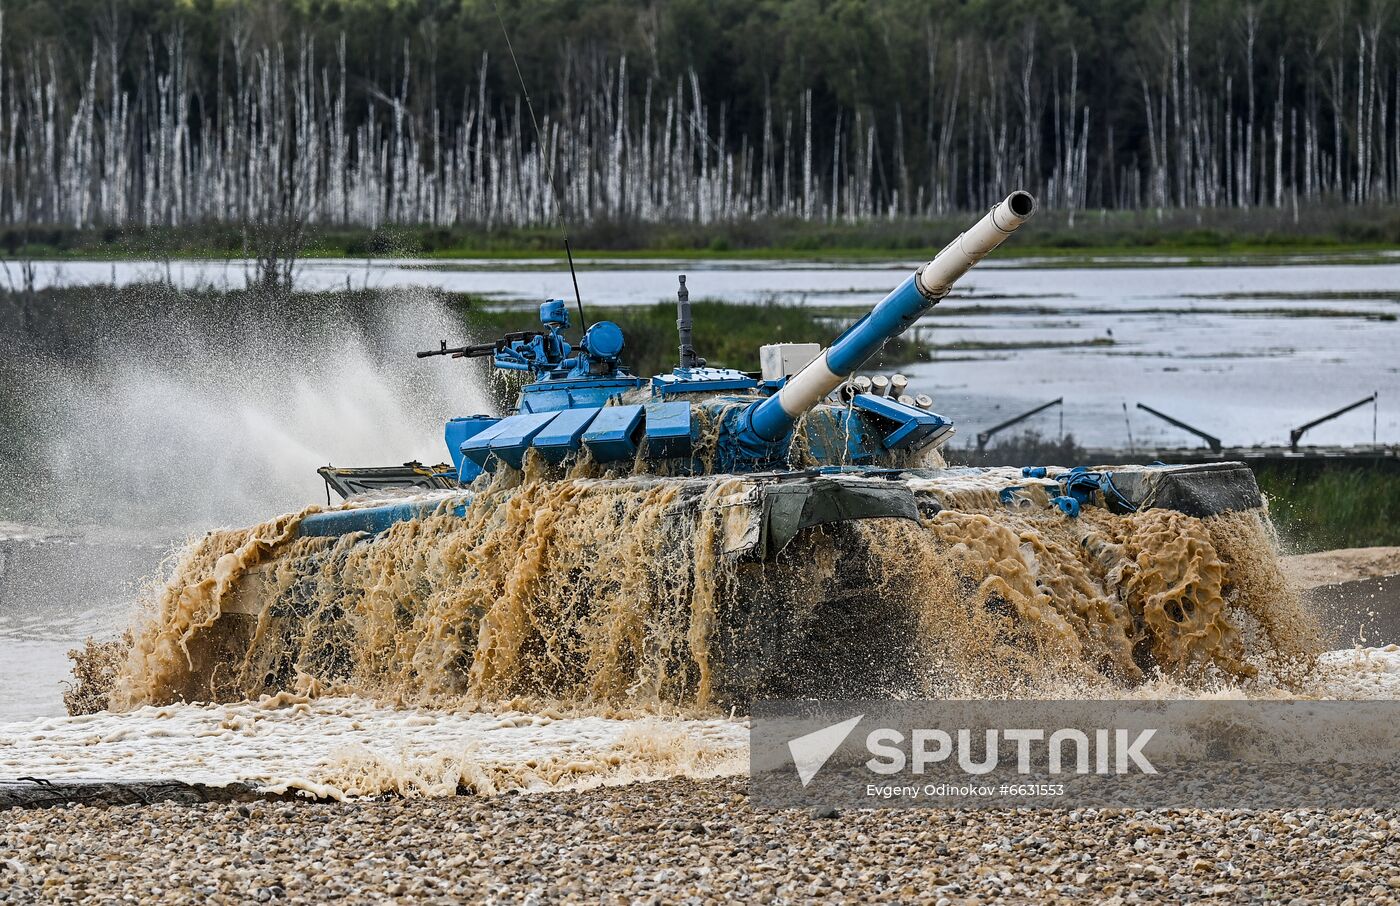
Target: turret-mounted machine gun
column 546, row 352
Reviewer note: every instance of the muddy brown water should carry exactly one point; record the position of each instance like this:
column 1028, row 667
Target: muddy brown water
column 1210, row 340
column 587, row 590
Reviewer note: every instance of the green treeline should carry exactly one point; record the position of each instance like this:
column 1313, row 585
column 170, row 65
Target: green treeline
column 353, row 112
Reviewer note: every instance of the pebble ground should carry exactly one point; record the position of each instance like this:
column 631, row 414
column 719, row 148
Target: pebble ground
column 685, row 841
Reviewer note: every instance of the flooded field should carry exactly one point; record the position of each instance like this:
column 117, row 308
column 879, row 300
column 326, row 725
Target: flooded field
column 1244, row 352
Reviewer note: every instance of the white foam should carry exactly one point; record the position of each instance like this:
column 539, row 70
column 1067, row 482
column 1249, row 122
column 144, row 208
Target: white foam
column 336, row 746
column 1360, row 673
column 346, row 746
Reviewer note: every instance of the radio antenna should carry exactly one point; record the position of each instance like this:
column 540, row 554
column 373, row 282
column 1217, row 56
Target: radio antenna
column 582, row 321
column 546, row 161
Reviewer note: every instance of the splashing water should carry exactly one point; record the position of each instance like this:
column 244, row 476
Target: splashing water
column 619, row 590
column 163, row 411
column 341, row 747
column 575, row 631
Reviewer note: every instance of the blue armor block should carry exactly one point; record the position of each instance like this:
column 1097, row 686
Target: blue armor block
column 511, row 442
column 912, row 428
column 562, row 437
column 614, row 433
column 477, row 448
column 458, row 430
column 668, row 430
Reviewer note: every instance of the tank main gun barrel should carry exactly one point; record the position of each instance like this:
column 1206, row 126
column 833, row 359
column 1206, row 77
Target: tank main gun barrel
column 769, row 421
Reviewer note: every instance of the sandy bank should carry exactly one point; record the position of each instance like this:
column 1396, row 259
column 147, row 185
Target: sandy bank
column 1355, row 592
column 1346, row 565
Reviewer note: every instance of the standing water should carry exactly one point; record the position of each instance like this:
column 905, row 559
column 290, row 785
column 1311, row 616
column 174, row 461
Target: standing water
column 1213, row 345
column 222, row 421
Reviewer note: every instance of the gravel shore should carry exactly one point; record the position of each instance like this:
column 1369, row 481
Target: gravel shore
column 687, row 841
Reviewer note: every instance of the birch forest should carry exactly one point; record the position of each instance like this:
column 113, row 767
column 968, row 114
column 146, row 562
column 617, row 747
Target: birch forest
column 358, row 113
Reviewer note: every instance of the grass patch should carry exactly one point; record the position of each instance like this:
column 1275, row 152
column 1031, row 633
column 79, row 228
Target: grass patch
column 1335, row 508
column 1196, row 236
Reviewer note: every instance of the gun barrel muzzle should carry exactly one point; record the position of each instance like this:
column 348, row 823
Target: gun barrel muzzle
column 937, row 277
column 769, row 420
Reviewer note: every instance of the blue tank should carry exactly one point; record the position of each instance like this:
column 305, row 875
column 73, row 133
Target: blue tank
column 794, row 537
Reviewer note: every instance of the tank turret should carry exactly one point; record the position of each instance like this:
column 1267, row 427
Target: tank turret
column 702, row 419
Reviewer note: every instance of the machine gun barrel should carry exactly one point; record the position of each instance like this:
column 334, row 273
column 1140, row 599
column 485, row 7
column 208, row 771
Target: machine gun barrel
column 462, row 352
column 769, row 421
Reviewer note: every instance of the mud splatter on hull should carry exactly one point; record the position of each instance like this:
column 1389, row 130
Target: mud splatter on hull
column 629, row 590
